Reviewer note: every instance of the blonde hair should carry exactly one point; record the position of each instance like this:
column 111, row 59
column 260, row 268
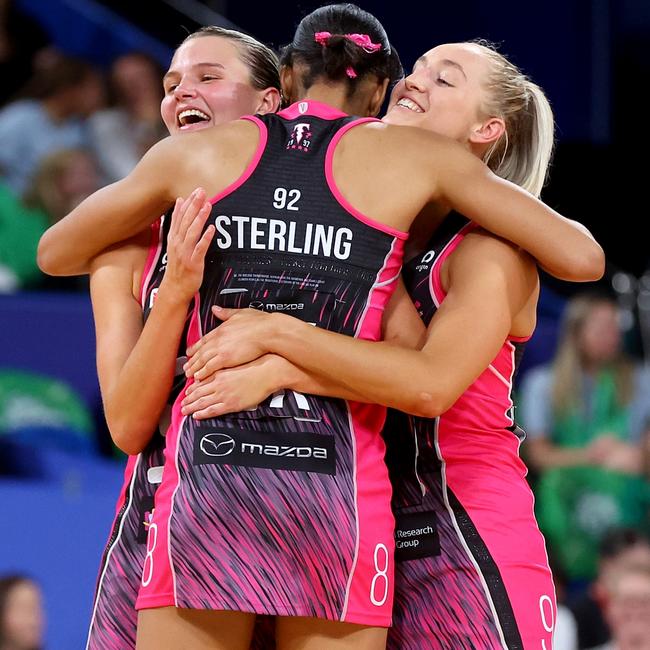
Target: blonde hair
column 523, row 154
column 567, row 366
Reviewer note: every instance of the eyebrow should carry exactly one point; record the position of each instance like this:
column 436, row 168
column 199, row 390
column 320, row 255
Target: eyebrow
column 453, row 64
column 207, row 64
column 447, row 62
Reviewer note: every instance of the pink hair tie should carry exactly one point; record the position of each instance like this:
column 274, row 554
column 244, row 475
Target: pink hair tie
column 350, row 72
column 322, row 38
column 362, row 40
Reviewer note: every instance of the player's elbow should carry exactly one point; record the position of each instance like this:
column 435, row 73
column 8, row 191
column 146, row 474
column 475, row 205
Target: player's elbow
column 53, row 258
column 127, row 444
column 127, row 438
column 589, row 266
column 45, row 255
column 430, row 404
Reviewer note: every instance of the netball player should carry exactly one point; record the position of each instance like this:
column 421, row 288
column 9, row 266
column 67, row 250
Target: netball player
column 471, row 570
column 215, row 76
column 238, row 534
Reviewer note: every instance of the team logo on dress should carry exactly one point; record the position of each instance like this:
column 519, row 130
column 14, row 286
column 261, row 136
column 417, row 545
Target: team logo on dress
column 300, row 138
column 217, row 444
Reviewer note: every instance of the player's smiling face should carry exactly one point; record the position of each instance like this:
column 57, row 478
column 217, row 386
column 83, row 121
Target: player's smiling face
column 443, row 93
column 207, row 84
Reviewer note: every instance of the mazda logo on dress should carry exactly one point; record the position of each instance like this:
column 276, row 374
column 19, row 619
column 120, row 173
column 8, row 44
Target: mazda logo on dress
column 217, row 444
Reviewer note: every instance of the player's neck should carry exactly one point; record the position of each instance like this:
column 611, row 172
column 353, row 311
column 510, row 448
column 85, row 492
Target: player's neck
column 335, row 95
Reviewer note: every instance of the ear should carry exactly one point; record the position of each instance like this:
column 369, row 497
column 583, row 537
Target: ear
column 269, row 101
column 488, row 132
column 377, row 98
column 288, row 83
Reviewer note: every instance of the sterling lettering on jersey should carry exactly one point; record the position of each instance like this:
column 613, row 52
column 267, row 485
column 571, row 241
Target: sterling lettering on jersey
column 303, row 452
column 302, row 238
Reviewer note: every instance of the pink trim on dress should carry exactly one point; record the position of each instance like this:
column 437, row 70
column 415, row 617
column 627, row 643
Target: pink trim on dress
column 374, row 527
column 435, row 283
column 312, row 108
column 160, row 590
column 264, row 136
column 371, row 578
column 369, row 325
column 519, row 339
column 155, row 246
column 329, row 174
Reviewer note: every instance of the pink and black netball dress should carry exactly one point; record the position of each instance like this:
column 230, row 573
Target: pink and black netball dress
column 284, row 509
column 471, row 565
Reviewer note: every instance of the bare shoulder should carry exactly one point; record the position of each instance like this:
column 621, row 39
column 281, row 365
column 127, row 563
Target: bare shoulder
column 417, row 140
column 494, row 263
column 499, row 269
column 487, row 248
column 213, row 158
column 416, row 156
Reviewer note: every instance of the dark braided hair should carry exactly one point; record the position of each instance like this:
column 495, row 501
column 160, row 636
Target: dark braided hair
column 339, row 58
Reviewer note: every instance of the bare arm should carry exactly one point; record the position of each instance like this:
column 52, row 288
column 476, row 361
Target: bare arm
column 136, row 364
column 463, row 338
column 439, row 173
column 401, row 323
column 247, row 385
column 112, row 214
column 563, row 247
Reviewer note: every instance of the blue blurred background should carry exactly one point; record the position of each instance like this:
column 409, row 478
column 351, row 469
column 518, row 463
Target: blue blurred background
column 591, row 57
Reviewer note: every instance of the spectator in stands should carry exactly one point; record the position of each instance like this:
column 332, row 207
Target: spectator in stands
column 22, row 619
column 62, row 181
column 627, row 607
column 619, row 546
column 60, row 95
column 586, row 415
column 122, row 133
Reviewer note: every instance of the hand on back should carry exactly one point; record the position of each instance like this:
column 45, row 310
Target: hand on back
column 187, row 245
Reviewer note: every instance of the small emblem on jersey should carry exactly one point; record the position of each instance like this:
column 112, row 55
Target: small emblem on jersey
column 217, row 445
column 300, row 137
column 426, row 259
column 146, row 515
column 303, row 107
column 416, row 536
column 297, row 451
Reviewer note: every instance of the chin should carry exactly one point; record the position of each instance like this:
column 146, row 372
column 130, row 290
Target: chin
column 398, row 120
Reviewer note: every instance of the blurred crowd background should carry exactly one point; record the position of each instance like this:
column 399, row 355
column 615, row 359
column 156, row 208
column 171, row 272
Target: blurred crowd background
column 79, row 104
